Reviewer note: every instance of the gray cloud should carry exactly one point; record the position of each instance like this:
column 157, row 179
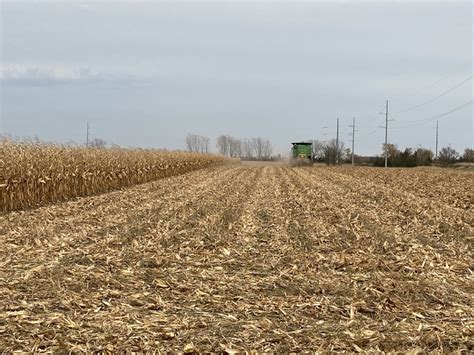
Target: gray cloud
column 39, row 76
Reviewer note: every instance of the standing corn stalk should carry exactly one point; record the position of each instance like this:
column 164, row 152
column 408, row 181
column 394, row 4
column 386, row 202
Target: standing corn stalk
column 33, row 173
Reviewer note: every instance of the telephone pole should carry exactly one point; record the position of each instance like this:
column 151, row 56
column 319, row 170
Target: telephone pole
column 337, row 142
column 436, row 152
column 87, row 135
column 386, row 134
column 353, row 139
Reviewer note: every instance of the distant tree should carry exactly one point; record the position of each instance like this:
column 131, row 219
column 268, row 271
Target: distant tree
column 248, row 148
column 333, row 152
column 223, row 145
column 448, row 155
column 230, row 146
column 262, row 148
column 468, row 155
column 423, row 156
column 257, row 147
column 97, row 143
column 318, row 149
column 252, row 148
column 235, row 147
column 347, row 155
column 191, row 142
column 405, row 159
column 205, row 144
column 197, row 144
column 267, row 149
column 392, row 153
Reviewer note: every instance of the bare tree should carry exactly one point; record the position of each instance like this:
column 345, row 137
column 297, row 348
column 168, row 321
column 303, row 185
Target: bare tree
column 468, row 155
column 346, row 155
column 97, row 143
column 333, row 152
column 423, row 156
column 248, row 148
column 205, row 144
column 448, row 155
column 197, row 144
column 267, row 149
column 318, row 149
column 230, row 146
column 392, row 153
column 223, row 145
column 235, row 147
column 191, row 144
column 261, row 147
column 255, row 148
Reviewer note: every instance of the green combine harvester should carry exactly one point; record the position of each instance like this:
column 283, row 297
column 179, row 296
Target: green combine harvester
column 302, row 154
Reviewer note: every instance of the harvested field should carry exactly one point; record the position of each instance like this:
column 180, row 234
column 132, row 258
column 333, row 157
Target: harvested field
column 246, row 258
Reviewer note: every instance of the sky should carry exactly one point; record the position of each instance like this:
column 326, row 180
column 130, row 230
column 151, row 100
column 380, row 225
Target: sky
column 148, row 73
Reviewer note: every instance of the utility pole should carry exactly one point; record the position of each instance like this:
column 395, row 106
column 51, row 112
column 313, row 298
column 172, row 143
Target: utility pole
column 436, row 152
column 337, row 142
column 386, row 134
column 87, row 135
column 353, row 139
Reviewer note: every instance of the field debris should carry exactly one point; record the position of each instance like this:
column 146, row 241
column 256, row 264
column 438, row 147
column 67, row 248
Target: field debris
column 235, row 258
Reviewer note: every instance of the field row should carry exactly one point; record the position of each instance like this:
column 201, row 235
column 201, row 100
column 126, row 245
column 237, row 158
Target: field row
column 34, row 174
column 448, row 186
column 234, row 257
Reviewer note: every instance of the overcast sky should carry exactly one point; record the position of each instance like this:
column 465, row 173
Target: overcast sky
column 147, row 73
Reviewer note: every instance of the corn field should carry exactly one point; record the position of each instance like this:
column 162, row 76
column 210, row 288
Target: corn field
column 33, row 173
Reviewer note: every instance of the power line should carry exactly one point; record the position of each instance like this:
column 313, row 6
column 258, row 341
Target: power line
column 426, row 120
column 379, row 125
column 428, row 86
column 436, row 97
column 375, row 119
column 374, row 130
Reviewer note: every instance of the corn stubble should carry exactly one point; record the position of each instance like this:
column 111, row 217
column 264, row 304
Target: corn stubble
column 240, row 258
column 34, row 174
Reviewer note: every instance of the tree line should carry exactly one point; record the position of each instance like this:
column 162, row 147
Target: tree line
column 197, row 144
column 330, row 152
column 407, row 158
column 410, row 157
column 250, row 148
column 246, row 148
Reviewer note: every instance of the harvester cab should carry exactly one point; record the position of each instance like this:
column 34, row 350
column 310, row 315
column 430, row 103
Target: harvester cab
column 302, row 153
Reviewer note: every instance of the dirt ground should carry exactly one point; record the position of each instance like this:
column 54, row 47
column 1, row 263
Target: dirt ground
column 246, row 257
